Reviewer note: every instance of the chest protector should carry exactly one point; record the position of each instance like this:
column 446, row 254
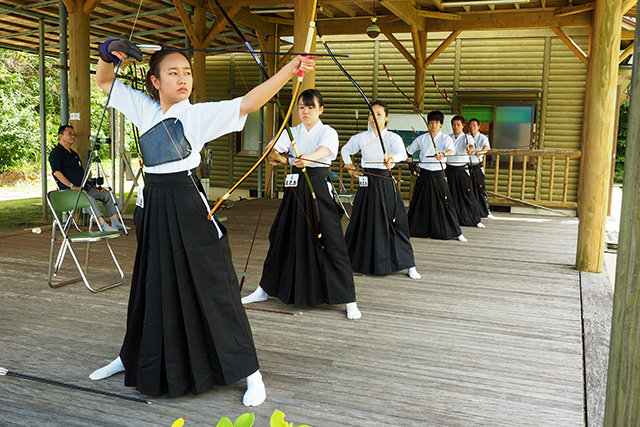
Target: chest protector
column 164, row 143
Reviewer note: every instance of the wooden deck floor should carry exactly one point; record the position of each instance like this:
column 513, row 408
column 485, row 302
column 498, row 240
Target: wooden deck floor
column 491, row 336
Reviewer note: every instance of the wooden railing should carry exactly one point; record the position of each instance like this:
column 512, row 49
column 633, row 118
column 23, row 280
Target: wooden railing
column 538, row 178
column 543, row 177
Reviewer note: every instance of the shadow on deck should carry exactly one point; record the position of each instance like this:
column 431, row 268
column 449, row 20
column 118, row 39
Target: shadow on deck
column 491, row 335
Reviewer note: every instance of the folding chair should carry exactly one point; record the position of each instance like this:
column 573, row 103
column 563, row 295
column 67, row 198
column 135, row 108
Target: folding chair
column 342, row 192
column 65, row 201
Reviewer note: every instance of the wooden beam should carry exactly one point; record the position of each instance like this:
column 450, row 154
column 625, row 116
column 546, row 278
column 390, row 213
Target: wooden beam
column 626, row 53
column 89, row 6
column 419, row 44
column 303, row 13
column 407, row 12
column 571, row 45
column 70, row 5
column 627, row 5
column 266, row 46
column 438, row 15
column 403, row 50
column 566, row 11
column 344, row 9
column 285, row 57
column 499, row 20
column 325, row 12
column 218, row 27
column 509, row 19
column 277, row 20
column 184, row 18
column 446, row 42
column 251, row 20
column 438, row 4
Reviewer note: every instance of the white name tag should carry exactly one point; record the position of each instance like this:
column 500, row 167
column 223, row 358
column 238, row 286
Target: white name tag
column 292, row 180
column 140, row 198
column 363, row 181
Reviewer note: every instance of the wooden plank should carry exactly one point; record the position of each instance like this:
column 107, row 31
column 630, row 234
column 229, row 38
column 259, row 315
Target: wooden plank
column 497, row 343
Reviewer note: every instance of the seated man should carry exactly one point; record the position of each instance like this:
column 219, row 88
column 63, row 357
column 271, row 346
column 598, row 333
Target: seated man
column 67, row 170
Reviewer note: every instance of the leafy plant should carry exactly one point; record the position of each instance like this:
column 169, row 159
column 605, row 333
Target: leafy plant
column 622, row 142
column 247, row 420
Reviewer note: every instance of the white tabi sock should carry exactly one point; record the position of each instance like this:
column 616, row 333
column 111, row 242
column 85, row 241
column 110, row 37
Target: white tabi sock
column 258, row 295
column 256, row 392
column 352, row 311
column 462, row 238
column 480, row 225
column 413, row 273
column 106, row 371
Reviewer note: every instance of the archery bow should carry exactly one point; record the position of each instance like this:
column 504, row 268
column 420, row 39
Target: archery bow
column 310, row 37
column 265, row 74
column 384, row 151
column 415, row 107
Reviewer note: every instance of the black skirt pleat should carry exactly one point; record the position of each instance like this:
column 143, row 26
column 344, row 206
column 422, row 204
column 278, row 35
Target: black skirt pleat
column 378, row 233
column 301, row 269
column 464, row 202
column 186, row 327
column 480, row 191
column 430, row 214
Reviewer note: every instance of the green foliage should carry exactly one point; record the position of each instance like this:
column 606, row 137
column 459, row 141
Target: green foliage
column 20, row 111
column 247, row 420
column 244, row 420
column 622, row 142
column 20, row 108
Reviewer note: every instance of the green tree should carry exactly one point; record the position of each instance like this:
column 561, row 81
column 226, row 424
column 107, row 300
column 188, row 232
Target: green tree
column 622, row 142
column 20, row 108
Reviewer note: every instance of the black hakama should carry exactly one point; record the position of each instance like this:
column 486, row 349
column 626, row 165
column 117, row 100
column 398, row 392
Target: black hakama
column 430, row 214
column 463, row 200
column 186, row 327
column 297, row 270
column 479, row 190
column 377, row 244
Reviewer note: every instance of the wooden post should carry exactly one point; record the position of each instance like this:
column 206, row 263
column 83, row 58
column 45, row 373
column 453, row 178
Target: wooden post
column 622, row 407
column 273, row 44
column 79, row 78
column 420, row 48
column 199, row 59
column 303, row 13
column 599, row 117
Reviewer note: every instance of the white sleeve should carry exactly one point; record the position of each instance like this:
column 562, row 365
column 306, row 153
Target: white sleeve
column 331, row 141
column 207, row 121
column 396, row 146
column 415, row 145
column 349, row 149
column 135, row 105
column 447, row 144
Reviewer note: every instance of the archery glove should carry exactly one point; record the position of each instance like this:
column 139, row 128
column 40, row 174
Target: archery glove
column 275, row 157
column 116, row 45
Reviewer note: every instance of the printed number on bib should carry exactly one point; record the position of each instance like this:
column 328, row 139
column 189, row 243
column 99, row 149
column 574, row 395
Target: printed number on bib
column 363, row 181
column 292, row 180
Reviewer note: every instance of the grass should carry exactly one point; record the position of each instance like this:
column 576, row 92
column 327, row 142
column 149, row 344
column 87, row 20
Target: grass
column 21, row 214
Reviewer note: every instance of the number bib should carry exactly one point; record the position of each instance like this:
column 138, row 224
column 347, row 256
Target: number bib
column 363, row 181
column 292, row 180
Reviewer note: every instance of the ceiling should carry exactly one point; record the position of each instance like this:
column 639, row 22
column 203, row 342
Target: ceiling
column 158, row 21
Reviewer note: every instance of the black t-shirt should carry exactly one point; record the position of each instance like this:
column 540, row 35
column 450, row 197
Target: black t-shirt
column 68, row 163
